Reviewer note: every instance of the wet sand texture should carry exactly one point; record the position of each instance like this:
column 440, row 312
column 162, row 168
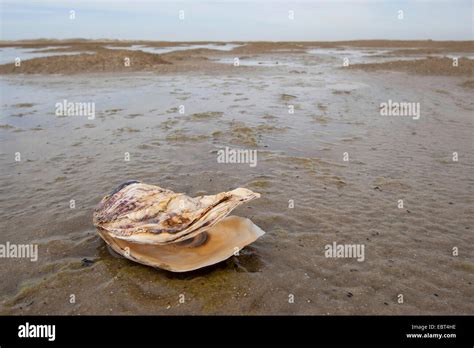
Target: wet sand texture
column 330, row 169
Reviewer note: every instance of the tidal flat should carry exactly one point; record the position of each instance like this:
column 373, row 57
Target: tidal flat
column 329, row 166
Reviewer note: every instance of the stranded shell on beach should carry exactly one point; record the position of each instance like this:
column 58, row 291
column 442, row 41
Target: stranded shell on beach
column 160, row 228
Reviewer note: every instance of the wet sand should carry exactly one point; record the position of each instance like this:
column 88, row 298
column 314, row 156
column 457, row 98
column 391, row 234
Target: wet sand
column 300, row 157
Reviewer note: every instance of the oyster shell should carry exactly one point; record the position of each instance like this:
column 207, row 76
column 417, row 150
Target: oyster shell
column 161, row 228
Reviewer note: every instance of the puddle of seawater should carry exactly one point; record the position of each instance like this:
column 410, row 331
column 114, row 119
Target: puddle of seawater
column 258, row 62
column 347, row 52
column 364, row 55
column 451, row 56
column 9, row 54
column 163, row 50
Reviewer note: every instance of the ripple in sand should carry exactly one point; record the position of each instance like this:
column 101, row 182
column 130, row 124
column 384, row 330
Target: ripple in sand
column 287, row 97
column 468, row 84
column 322, row 107
column 269, row 117
column 23, row 105
column 133, row 115
column 241, row 134
column 127, row 130
column 168, row 124
column 352, row 139
column 260, row 184
column 21, row 114
column 146, row 147
column 182, row 136
column 320, row 119
column 390, row 185
column 112, row 111
column 339, row 92
column 172, row 110
column 206, row 115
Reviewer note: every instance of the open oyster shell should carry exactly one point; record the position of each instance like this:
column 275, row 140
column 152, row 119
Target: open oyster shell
column 161, row 228
column 218, row 243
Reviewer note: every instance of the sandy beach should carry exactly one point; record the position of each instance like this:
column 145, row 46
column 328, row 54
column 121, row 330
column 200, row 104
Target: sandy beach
column 331, row 169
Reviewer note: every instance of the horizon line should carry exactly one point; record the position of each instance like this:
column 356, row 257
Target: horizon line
column 226, row 41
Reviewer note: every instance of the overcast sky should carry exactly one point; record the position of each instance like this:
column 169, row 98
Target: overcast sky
column 233, row 20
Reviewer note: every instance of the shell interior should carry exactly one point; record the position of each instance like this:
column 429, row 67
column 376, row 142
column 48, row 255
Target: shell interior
column 212, row 246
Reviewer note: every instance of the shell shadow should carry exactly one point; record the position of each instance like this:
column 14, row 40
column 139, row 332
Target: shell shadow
column 248, row 261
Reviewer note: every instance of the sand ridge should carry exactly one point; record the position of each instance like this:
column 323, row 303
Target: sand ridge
column 110, row 55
